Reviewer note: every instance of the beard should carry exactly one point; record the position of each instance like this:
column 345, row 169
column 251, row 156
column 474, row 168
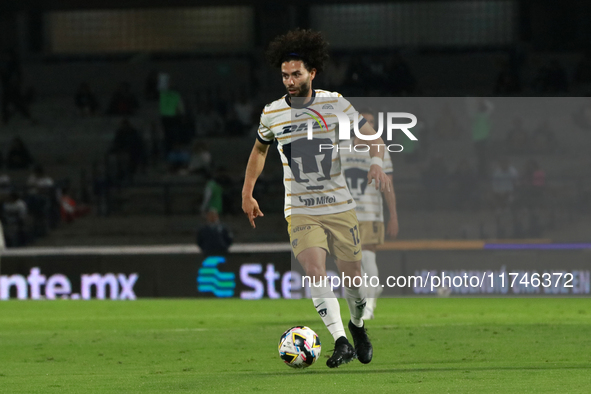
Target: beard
column 303, row 90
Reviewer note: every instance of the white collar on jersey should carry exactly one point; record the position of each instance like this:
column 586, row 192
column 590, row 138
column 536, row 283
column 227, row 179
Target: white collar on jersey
column 288, row 100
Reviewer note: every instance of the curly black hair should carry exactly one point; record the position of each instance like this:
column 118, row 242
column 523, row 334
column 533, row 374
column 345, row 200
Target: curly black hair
column 299, row 44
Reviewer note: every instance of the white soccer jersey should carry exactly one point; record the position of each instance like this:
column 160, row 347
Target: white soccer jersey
column 355, row 166
column 314, row 183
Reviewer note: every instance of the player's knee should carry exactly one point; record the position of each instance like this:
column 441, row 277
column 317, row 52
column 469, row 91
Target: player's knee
column 314, row 271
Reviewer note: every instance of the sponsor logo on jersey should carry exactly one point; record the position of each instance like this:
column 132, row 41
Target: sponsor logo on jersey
column 325, row 200
column 310, row 202
column 355, row 160
column 307, row 201
column 300, row 228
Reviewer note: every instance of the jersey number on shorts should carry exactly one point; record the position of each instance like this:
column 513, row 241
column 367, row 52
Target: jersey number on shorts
column 304, row 157
column 355, row 234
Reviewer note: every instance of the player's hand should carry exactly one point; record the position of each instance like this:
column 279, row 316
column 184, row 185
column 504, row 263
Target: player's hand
column 250, row 206
column 392, row 228
column 381, row 181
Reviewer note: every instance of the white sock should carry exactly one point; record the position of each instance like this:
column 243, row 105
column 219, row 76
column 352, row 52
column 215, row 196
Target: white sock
column 328, row 308
column 356, row 302
column 369, row 267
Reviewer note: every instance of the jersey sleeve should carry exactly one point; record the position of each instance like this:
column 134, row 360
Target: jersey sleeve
column 264, row 133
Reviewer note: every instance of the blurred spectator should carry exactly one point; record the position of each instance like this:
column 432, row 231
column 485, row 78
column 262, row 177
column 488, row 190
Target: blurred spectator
column 129, row 149
column 212, row 195
column 200, row 162
column 214, row 238
column 39, row 180
column 481, row 126
column 69, row 208
column 230, row 191
column 534, row 183
column 551, row 78
column 504, row 182
column 178, row 159
column 507, row 81
column 2, row 240
column 18, row 156
column 517, row 138
column 85, row 100
column 244, row 111
column 5, row 187
column 15, row 205
column 15, row 216
column 210, row 123
column 42, row 199
column 123, row 101
column 543, row 139
column 11, row 86
column 172, row 111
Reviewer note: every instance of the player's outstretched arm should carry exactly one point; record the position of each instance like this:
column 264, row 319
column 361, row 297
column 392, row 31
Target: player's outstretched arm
column 392, row 226
column 376, row 152
column 256, row 163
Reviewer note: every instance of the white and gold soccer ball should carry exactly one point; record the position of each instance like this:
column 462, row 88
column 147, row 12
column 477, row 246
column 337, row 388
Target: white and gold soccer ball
column 299, row 347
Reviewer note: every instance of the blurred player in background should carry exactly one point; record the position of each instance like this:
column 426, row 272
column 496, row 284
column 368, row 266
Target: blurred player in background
column 369, row 208
column 318, row 206
column 2, row 245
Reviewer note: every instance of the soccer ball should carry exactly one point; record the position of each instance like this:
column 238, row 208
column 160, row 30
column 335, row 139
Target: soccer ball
column 299, row 347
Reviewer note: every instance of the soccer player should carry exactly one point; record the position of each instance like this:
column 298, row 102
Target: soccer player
column 318, row 206
column 369, row 208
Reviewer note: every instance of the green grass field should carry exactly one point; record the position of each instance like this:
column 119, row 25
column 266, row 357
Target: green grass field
column 228, row 346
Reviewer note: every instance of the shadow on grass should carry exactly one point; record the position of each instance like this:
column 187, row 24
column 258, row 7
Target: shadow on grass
column 344, row 370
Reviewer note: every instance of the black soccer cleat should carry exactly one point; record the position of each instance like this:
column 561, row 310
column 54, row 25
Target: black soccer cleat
column 343, row 353
column 363, row 346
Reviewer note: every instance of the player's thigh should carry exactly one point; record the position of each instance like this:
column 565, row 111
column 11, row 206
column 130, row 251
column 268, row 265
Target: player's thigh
column 313, row 261
column 305, row 232
column 343, row 235
column 371, row 233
